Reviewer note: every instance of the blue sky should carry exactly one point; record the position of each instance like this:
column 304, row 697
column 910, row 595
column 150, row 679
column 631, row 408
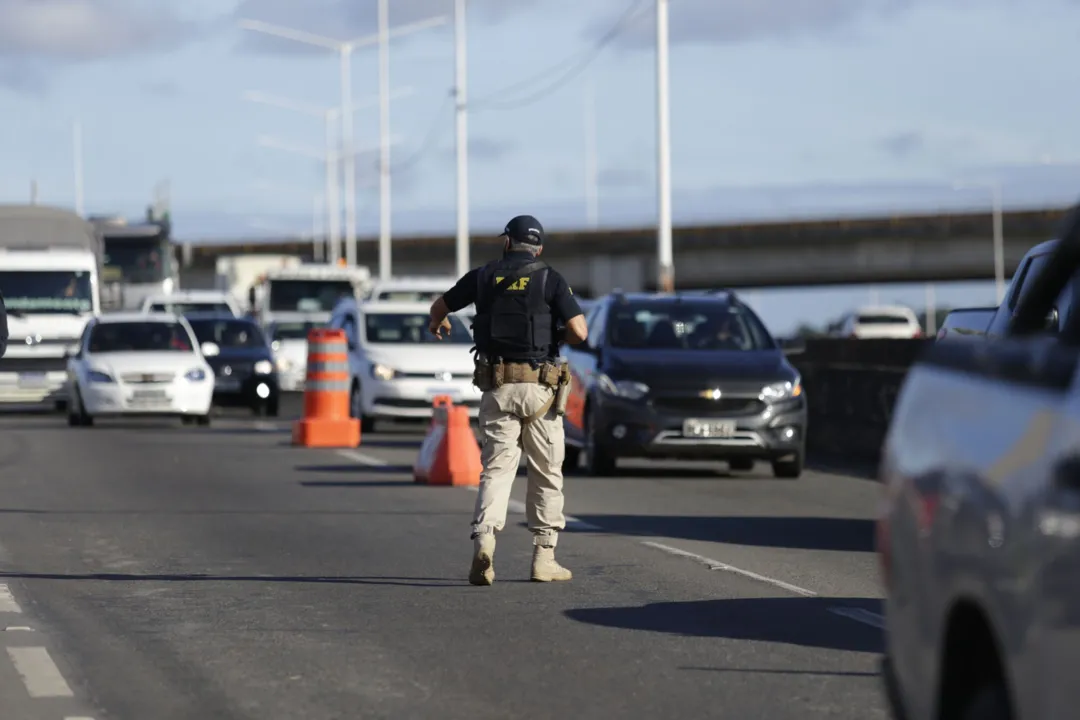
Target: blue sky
column 780, row 108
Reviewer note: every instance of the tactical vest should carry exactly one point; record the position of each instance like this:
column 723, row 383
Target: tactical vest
column 515, row 324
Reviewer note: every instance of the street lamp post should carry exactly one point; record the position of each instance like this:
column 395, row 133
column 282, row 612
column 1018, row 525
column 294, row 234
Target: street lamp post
column 333, row 153
column 462, row 132
column 345, row 49
column 665, row 259
column 995, row 188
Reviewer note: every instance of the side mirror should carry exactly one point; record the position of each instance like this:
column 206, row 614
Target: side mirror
column 210, row 349
column 793, row 346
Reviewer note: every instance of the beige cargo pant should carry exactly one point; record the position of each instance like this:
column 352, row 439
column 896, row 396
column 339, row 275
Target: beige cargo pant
column 504, row 434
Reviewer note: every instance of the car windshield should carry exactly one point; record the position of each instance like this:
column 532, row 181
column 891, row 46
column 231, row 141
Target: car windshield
column 228, row 333
column 687, row 326
column 292, row 331
column 883, row 320
column 308, row 295
column 37, row 292
column 183, row 308
column 411, row 328
column 137, row 260
column 408, row 295
column 139, row 337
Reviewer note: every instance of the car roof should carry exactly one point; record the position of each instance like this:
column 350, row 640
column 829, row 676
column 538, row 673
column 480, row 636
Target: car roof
column 190, row 296
column 719, row 296
column 395, row 306
column 217, row 316
column 125, row 317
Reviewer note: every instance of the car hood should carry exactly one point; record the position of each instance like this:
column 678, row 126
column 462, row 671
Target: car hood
column 423, row 358
column 696, row 369
column 145, row 362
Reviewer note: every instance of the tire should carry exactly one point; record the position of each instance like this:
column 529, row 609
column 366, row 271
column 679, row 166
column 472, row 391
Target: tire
column 367, row 424
column 273, row 408
column 741, row 464
column 788, row 469
column 77, row 416
column 598, row 462
column 203, row 420
column 355, row 404
column 989, row 702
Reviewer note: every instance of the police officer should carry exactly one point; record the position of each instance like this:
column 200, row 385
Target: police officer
column 520, row 305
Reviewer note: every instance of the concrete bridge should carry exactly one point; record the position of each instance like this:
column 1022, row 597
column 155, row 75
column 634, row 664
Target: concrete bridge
column 923, row 248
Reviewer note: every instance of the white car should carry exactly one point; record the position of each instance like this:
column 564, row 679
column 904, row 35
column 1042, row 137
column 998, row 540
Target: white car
column 886, row 322
column 288, row 340
column 397, row 367
column 139, row 364
column 185, row 301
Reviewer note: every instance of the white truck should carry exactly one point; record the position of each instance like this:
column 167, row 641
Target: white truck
column 50, row 265
column 237, row 274
column 306, row 291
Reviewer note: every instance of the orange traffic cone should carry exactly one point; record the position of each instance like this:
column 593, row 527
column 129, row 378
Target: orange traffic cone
column 326, row 421
column 450, row 454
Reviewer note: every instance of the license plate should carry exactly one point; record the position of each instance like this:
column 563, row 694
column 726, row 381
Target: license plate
column 34, row 380
column 149, row 395
column 226, row 384
column 452, row 392
column 709, row 428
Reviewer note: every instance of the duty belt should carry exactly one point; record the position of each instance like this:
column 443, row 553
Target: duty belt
column 519, row 372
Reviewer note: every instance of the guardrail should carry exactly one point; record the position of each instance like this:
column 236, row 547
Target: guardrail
column 851, row 386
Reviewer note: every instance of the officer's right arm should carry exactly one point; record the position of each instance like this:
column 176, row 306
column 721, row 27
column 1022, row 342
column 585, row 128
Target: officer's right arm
column 567, row 309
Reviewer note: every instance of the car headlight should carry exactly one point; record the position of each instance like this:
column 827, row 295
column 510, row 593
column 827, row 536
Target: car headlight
column 264, row 367
column 195, row 375
column 284, row 364
column 97, row 376
column 782, row 390
column 383, row 372
column 629, row 389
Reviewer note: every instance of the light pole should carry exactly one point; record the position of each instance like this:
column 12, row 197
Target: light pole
column 333, row 153
column 462, row 130
column 345, row 49
column 592, row 194
column 995, row 188
column 665, row 261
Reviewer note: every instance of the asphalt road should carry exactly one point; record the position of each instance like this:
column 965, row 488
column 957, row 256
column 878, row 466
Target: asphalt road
column 152, row 571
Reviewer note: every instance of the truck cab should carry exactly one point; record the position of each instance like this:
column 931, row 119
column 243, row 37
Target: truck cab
column 311, row 291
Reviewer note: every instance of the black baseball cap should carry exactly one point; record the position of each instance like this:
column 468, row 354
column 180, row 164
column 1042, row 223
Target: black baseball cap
column 525, row 229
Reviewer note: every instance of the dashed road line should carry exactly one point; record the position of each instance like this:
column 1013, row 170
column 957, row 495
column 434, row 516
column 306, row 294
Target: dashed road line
column 859, row 615
column 7, row 601
column 369, row 460
column 39, row 673
column 717, row 565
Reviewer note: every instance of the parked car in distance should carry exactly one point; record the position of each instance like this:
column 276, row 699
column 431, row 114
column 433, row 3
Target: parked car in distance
column 881, row 322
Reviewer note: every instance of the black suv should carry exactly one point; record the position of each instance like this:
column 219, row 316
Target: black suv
column 683, row 376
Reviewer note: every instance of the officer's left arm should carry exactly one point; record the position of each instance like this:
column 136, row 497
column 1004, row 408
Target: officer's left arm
column 460, row 296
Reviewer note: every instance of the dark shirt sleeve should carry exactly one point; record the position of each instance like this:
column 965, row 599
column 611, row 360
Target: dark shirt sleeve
column 561, row 298
column 463, row 294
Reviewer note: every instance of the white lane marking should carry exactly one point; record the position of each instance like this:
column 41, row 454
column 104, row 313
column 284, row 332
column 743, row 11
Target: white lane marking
column 7, row 600
column 363, row 459
column 518, row 507
column 717, row 565
column 866, row 617
column 39, row 673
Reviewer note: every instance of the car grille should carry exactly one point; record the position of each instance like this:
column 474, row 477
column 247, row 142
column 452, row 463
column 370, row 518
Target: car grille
column 33, row 364
column 239, row 371
column 146, row 378
column 708, row 406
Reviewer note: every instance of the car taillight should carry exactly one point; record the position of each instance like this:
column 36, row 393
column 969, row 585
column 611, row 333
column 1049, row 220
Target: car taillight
column 918, row 333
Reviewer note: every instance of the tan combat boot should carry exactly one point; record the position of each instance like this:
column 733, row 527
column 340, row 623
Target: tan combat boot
column 483, row 562
column 545, row 568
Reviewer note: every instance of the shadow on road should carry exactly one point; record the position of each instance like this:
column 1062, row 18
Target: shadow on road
column 217, row 511
column 764, row 671
column 358, row 483
column 314, row 579
column 792, row 621
column 809, row 533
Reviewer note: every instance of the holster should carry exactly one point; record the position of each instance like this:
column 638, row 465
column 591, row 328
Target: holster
column 488, row 373
column 562, row 392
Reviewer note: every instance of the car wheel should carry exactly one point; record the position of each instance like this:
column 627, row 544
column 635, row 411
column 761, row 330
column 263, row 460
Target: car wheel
column 272, row 408
column 989, row 702
column 597, row 460
column 355, row 403
column 77, row 416
column 202, row 420
column 367, row 424
column 741, row 464
column 788, row 469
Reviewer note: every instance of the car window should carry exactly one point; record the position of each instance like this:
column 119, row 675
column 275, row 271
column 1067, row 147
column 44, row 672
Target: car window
column 139, row 337
column 882, row 319
column 228, row 333
column 687, row 326
column 596, row 325
column 411, row 328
